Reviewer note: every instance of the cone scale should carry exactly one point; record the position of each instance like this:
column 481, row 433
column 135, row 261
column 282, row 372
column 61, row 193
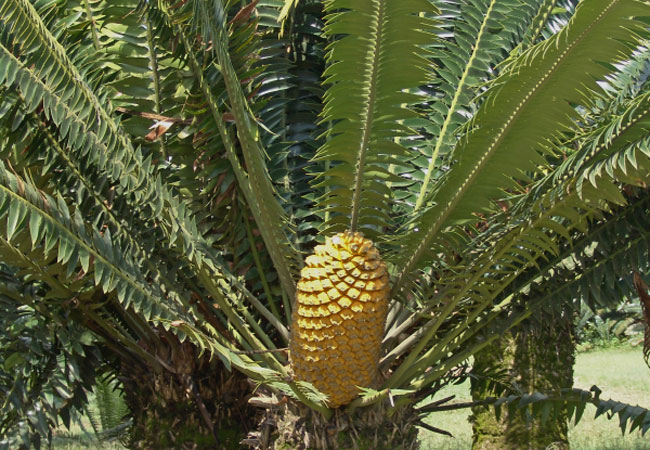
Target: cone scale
column 339, row 316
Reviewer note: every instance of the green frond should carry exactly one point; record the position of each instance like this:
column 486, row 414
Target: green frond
column 34, row 265
column 148, row 87
column 574, row 402
column 365, row 103
column 482, row 33
column 84, row 120
column 597, row 268
column 231, row 296
column 539, row 22
column 632, row 77
column 287, row 104
column 478, row 291
column 158, row 77
column 101, row 143
column 92, row 195
column 522, row 112
column 621, row 122
column 288, row 6
column 268, row 212
column 110, row 407
column 53, row 76
column 213, row 342
column 274, row 377
column 43, row 391
column 571, row 401
column 614, row 153
column 188, row 230
column 254, row 182
column 52, row 228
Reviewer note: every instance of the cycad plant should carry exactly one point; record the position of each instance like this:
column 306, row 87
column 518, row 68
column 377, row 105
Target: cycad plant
column 170, row 167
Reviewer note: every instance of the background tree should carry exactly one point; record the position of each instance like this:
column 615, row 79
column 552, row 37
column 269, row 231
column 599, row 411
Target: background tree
column 537, row 356
column 596, row 270
column 149, row 179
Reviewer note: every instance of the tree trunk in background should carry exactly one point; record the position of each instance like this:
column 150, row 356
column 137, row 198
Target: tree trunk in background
column 497, row 359
column 165, row 410
column 538, row 356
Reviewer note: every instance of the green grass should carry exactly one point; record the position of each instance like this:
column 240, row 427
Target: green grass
column 80, row 443
column 453, row 421
column 620, row 373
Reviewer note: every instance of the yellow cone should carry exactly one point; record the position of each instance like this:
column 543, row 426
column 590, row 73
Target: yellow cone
column 338, row 320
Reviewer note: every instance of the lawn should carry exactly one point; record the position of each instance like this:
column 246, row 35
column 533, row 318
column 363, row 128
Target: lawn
column 620, row 372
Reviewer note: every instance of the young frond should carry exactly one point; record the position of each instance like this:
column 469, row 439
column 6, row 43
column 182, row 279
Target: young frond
column 366, row 104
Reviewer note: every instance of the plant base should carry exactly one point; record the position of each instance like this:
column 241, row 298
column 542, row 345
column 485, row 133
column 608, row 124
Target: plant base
column 167, row 415
column 291, row 426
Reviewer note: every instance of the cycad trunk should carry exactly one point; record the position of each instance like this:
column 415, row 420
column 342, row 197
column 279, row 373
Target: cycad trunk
column 537, row 357
column 290, row 426
column 173, row 410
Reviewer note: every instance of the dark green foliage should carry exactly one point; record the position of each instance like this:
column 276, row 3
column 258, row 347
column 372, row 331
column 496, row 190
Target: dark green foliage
column 483, row 34
column 525, row 91
column 48, row 364
column 598, row 267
